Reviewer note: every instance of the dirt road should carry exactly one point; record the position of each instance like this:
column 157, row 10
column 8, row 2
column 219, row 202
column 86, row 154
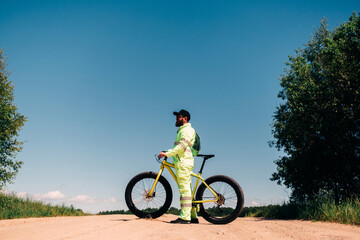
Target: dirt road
column 130, row 227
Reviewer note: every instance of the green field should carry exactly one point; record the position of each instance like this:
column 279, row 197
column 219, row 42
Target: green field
column 12, row 207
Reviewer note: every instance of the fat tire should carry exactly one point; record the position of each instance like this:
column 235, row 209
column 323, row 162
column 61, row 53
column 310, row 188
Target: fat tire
column 140, row 213
column 240, row 199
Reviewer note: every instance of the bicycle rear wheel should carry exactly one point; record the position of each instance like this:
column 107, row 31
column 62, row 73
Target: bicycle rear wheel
column 137, row 195
column 230, row 203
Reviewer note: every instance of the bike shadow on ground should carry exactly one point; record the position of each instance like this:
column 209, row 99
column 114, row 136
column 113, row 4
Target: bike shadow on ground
column 150, row 219
column 137, row 219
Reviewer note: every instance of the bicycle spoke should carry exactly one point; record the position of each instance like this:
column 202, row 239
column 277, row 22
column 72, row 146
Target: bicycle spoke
column 142, row 201
column 226, row 203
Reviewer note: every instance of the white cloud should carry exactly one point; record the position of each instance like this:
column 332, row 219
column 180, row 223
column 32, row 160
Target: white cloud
column 110, row 200
column 22, row 195
column 84, row 199
column 89, row 200
column 254, row 204
column 54, row 195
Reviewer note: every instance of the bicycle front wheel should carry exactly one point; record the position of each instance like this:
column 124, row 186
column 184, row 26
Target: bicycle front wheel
column 137, row 195
column 230, row 203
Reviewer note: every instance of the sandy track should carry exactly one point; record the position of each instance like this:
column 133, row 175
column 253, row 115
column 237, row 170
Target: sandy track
column 130, row 227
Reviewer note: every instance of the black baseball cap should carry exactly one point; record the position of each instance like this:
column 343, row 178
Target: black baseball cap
column 183, row 113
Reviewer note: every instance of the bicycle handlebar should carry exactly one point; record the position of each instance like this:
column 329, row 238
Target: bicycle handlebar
column 159, row 158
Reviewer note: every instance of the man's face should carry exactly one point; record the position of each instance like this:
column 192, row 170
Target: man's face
column 179, row 121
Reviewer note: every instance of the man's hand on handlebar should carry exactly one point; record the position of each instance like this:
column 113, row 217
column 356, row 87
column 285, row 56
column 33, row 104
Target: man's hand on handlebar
column 162, row 154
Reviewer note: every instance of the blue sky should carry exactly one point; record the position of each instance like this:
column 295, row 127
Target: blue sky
column 99, row 80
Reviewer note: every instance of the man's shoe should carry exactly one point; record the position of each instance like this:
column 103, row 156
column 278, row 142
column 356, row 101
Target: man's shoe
column 194, row 220
column 180, row 221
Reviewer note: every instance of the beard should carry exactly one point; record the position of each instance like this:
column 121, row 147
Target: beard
column 179, row 123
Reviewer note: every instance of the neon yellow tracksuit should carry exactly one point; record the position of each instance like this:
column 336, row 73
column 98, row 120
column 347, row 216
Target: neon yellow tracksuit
column 184, row 164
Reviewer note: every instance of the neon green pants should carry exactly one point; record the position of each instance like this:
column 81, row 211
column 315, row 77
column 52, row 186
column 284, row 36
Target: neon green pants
column 183, row 176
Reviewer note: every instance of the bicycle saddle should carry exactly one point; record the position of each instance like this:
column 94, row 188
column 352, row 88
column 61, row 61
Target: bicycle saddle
column 206, row 156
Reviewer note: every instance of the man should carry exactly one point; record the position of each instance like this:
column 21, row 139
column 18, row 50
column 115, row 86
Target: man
column 184, row 163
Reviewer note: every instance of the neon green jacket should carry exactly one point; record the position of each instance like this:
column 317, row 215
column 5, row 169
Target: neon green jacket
column 184, row 140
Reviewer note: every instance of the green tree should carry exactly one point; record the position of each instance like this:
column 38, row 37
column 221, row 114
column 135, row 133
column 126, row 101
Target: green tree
column 11, row 122
column 317, row 124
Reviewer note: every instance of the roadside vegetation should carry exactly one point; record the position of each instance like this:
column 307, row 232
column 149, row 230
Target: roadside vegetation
column 115, row 212
column 317, row 126
column 171, row 210
column 12, row 207
column 347, row 212
column 317, row 122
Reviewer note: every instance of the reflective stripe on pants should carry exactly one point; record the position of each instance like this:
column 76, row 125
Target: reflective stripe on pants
column 183, row 176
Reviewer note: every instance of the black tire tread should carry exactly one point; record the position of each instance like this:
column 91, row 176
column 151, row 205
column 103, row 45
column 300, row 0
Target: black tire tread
column 132, row 206
column 239, row 193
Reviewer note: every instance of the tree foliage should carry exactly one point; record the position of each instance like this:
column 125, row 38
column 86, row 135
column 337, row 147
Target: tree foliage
column 11, row 122
column 318, row 123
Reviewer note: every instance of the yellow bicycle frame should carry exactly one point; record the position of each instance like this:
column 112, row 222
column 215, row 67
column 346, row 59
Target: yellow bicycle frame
column 168, row 166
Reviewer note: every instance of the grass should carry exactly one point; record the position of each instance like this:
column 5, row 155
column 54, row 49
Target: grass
column 347, row 212
column 12, row 207
column 285, row 211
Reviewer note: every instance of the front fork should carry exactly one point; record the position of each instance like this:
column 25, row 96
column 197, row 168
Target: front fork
column 156, row 180
column 166, row 165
